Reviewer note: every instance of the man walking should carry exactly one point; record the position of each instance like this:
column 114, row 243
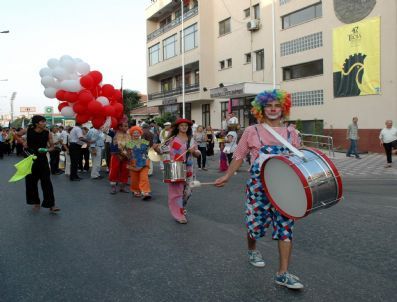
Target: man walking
column 352, row 135
column 96, row 138
column 76, row 140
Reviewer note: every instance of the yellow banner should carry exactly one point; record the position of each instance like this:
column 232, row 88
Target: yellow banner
column 356, row 58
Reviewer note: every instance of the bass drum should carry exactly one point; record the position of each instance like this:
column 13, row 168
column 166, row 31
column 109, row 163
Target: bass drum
column 297, row 187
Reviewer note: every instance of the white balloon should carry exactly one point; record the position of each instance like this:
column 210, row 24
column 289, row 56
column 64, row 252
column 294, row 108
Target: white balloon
column 60, row 73
column 67, row 111
column 82, row 68
column 52, row 63
column 103, row 100
column 50, row 92
column 78, row 60
column 69, row 65
column 71, row 85
column 74, row 76
column 48, row 81
column 56, row 84
column 66, row 58
column 45, row 72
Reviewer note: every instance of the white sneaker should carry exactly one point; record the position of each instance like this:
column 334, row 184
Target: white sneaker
column 255, row 258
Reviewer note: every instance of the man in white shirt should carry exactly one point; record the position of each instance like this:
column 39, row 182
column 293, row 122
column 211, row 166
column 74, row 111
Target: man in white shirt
column 76, row 140
column 194, row 126
column 97, row 143
column 388, row 139
column 232, row 122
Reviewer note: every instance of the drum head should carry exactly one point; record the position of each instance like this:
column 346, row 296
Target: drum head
column 284, row 187
column 153, row 155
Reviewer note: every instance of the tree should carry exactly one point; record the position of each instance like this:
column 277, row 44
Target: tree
column 131, row 100
column 17, row 123
column 165, row 117
column 299, row 125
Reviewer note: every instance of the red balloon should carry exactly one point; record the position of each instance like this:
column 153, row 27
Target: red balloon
column 109, row 111
column 117, row 95
column 107, row 90
column 60, row 95
column 82, row 118
column 118, row 108
column 96, row 76
column 87, row 81
column 85, row 96
column 95, row 108
column 97, row 122
column 79, row 108
column 96, row 91
column 71, row 97
column 114, row 123
column 61, row 105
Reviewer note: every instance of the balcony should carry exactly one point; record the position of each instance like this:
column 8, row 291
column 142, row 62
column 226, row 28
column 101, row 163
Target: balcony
column 176, row 91
column 158, row 32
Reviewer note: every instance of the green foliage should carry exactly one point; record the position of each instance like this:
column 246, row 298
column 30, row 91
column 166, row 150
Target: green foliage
column 318, row 127
column 17, row 123
column 131, row 100
column 299, row 125
column 166, row 117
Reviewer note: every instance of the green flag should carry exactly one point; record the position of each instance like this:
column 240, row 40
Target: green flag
column 24, row 167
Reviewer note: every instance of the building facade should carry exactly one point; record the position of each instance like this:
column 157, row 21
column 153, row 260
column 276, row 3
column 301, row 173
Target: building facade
column 234, row 49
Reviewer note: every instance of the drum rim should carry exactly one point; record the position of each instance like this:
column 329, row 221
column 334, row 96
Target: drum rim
column 308, row 191
column 333, row 168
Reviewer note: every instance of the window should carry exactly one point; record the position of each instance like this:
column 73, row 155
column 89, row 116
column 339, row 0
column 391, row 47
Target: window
column 260, row 59
column 303, row 70
column 247, row 12
column 166, row 85
column 197, row 77
column 307, row 98
column 301, row 44
column 257, row 12
column 303, row 15
column 154, row 54
column 222, row 64
column 188, row 81
column 224, row 27
column 206, row 114
column 191, row 37
column 177, row 13
column 195, row 3
column 229, row 63
column 169, row 47
column 165, row 21
column 247, row 58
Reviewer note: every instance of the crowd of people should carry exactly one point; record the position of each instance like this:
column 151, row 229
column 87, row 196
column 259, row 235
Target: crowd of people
column 126, row 151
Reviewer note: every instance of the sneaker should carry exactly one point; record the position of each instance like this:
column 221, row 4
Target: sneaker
column 255, row 258
column 288, row 280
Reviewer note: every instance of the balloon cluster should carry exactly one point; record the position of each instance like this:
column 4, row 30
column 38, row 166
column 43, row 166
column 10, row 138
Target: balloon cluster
column 81, row 92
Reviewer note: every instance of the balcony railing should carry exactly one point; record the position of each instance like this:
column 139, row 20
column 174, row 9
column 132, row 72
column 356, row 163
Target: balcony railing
column 158, row 32
column 176, row 91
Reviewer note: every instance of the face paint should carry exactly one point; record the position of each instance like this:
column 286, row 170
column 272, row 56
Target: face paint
column 273, row 110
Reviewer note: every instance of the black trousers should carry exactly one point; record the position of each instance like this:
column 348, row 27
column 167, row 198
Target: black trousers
column 40, row 171
column 229, row 157
column 201, row 161
column 54, row 160
column 1, row 150
column 75, row 154
column 85, row 154
column 388, row 149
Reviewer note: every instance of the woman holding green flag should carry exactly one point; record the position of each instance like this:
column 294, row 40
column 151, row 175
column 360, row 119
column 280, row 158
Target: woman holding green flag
column 38, row 140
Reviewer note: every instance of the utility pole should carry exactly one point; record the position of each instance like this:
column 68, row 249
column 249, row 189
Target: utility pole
column 14, row 94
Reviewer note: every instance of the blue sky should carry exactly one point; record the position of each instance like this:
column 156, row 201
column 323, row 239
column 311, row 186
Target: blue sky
column 108, row 35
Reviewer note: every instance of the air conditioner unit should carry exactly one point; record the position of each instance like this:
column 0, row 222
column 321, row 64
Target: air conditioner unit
column 253, row 24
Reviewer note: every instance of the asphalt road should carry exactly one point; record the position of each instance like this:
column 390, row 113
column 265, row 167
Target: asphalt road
column 102, row 247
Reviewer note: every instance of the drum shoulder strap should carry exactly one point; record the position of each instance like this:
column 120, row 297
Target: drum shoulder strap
column 259, row 137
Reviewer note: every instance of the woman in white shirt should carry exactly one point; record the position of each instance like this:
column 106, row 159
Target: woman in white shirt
column 388, row 139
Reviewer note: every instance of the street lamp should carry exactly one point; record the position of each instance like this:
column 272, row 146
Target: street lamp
column 5, row 32
column 183, row 61
column 4, row 80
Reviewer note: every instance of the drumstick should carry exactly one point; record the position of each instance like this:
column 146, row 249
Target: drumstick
column 197, row 184
column 180, row 155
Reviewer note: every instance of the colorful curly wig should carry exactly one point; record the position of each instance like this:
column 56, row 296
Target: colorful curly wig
column 260, row 101
column 135, row 128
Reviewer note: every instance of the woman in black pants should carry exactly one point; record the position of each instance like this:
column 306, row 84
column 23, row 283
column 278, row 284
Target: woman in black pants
column 38, row 138
column 200, row 138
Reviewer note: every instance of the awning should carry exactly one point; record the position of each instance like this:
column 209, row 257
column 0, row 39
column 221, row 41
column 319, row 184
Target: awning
column 145, row 111
column 239, row 90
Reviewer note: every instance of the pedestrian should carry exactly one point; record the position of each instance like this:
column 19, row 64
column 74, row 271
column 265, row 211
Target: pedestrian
column 55, row 153
column 139, row 164
column 352, row 135
column 97, row 143
column 149, row 136
column 200, row 139
column 230, row 145
column 269, row 107
column 118, row 174
column 65, row 149
column 181, row 148
column 232, row 122
column 388, row 139
column 194, row 127
column 38, row 139
column 163, row 137
column 221, row 137
column 84, row 162
column 76, row 141
column 210, row 140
